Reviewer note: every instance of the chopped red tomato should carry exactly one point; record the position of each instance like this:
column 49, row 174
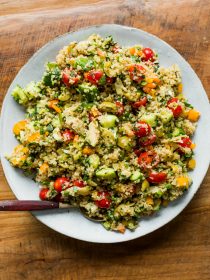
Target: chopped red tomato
column 148, row 159
column 61, row 183
column 137, row 152
column 149, row 140
column 174, row 106
column 185, row 142
column 70, row 77
column 104, row 201
column 68, row 135
column 78, row 183
column 94, row 76
column 142, row 129
column 148, row 54
column 157, row 177
column 141, row 102
column 136, row 72
column 120, row 108
column 43, row 194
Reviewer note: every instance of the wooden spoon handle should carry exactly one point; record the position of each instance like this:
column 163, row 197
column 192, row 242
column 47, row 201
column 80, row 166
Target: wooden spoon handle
column 27, row 205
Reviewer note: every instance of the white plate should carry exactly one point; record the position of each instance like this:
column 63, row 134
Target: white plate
column 72, row 223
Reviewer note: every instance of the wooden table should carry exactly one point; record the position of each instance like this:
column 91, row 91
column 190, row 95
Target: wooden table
column 181, row 249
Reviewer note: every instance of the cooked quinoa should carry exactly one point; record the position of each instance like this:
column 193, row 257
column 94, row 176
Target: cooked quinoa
column 107, row 129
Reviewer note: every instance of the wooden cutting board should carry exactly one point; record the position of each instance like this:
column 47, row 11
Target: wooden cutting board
column 181, row 249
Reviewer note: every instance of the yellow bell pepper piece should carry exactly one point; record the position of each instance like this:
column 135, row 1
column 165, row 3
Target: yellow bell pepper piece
column 182, row 182
column 53, row 105
column 193, row 115
column 191, row 163
column 34, row 137
column 19, row 126
column 87, row 151
column 180, row 88
column 44, row 168
column 149, row 200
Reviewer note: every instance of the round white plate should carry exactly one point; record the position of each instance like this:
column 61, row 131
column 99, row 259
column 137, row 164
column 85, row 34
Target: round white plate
column 72, row 223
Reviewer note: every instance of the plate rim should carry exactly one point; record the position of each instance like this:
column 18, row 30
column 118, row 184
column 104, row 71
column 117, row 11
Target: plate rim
column 106, row 25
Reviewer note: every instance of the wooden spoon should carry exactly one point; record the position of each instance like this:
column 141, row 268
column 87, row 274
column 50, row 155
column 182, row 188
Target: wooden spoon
column 35, row 205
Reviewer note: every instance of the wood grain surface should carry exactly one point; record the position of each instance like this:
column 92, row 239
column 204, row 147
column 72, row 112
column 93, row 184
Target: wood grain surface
column 181, row 249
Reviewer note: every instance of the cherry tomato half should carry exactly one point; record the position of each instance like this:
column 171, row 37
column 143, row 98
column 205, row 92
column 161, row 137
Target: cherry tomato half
column 149, row 140
column 148, row 159
column 43, row 194
column 104, row 201
column 61, row 183
column 120, row 108
column 157, row 177
column 94, row 76
column 141, row 102
column 70, row 77
column 174, row 107
column 68, row 135
column 136, row 72
column 148, row 54
column 78, row 183
column 142, row 129
column 185, row 142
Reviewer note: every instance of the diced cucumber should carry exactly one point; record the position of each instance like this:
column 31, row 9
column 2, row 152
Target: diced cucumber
column 177, row 131
column 108, row 121
column 136, row 176
column 85, row 63
column 106, row 173
column 165, row 115
column 19, row 95
column 125, row 143
column 151, row 119
column 94, row 160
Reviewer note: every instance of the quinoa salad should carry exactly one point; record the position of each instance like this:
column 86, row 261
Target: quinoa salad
column 107, row 129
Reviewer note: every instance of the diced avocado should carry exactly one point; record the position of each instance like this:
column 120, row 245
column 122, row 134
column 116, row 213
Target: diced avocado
column 125, row 143
column 88, row 91
column 165, row 115
column 151, row 119
column 132, row 96
column 106, row 173
column 94, row 160
column 108, row 121
column 137, row 176
column 108, row 107
column 178, row 131
column 109, row 136
column 83, row 191
column 19, row 95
